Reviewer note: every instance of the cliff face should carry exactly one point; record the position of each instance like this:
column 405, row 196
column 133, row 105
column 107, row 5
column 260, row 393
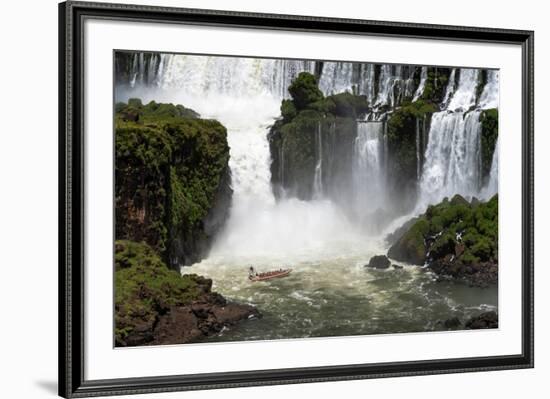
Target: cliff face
column 172, row 188
column 313, row 127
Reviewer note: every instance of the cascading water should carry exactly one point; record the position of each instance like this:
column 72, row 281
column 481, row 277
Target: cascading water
column 422, row 85
column 330, row 293
column 489, row 95
column 492, row 185
column 453, row 154
column 449, row 91
column 318, row 177
column 368, row 167
column 453, row 157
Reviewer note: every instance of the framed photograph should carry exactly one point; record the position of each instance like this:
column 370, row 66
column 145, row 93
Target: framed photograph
column 252, row 199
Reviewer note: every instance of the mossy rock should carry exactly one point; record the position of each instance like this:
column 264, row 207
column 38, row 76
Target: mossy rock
column 304, row 90
column 411, row 247
column 312, row 123
column 146, row 288
column 171, row 175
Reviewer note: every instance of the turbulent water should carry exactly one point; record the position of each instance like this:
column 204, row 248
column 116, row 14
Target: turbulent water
column 329, row 291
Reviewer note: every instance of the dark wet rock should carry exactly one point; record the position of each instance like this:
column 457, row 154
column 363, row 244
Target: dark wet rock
column 483, row 320
column 480, row 275
column 452, row 323
column 411, row 246
column 192, row 323
column 397, row 267
column 392, row 238
column 379, row 262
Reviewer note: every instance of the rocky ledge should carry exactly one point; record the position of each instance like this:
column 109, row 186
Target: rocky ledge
column 191, row 323
column 481, row 321
column 155, row 305
column 455, row 239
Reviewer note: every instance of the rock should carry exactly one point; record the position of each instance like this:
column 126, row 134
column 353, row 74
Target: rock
column 397, row 267
column 184, row 324
column 455, row 239
column 174, row 202
column 411, row 246
column 180, row 325
column 379, row 262
column 157, row 305
column 452, row 323
column 483, row 320
column 392, row 238
column 233, row 312
column 459, row 200
column 130, row 115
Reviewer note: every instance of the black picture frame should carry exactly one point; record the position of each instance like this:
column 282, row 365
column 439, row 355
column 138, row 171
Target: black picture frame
column 71, row 199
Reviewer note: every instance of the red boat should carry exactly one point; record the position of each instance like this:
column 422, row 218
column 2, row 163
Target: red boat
column 269, row 275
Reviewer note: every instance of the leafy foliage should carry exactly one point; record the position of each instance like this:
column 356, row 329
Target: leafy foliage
column 304, row 90
column 467, row 231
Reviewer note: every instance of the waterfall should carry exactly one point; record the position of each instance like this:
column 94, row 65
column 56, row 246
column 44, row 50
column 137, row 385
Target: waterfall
column 368, row 167
column 245, row 95
column 492, row 185
column 422, row 84
column 489, row 95
column 449, row 91
column 337, row 77
column 465, row 96
column 418, row 151
column 453, row 156
column 318, row 177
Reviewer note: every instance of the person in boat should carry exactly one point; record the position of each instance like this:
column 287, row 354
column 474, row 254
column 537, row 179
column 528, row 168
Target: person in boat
column 251, row 272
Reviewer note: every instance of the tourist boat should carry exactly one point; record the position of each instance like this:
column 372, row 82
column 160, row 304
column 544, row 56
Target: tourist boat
column 270, row 275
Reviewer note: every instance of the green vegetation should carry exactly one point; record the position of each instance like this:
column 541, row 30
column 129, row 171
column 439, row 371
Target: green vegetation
column 295, row 136
column 466, row 231
column 489, row 135
column 146, row 288
column 170, row 169
column 304, row 90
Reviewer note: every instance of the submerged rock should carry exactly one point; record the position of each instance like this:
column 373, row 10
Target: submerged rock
column 483, row 320
column 397, row 267
column 379, row 262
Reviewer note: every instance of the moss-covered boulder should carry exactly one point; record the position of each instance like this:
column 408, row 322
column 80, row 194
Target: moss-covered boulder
column 172, row 179
column 157, row 305
column 411, row 246
column 456, row 239
column 146, row 288
column 304, row 90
